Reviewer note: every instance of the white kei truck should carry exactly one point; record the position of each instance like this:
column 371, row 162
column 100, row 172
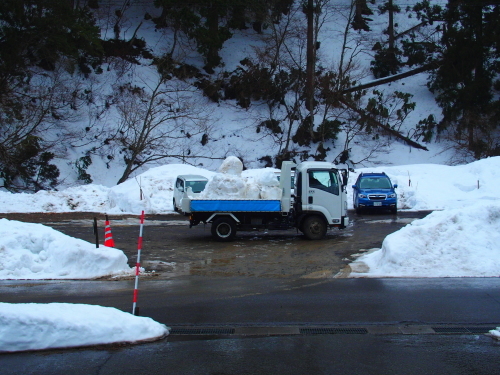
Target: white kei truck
column 319, row 203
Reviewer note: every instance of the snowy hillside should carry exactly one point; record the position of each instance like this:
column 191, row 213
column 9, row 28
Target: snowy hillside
column 229, row 128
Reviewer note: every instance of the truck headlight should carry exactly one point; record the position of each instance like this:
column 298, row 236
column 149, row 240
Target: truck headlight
column 361, row 196
column 393, row 195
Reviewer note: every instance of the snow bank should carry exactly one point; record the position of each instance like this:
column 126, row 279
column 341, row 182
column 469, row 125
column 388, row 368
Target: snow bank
column 30, row 326
column 34, row 251
column 452, row 243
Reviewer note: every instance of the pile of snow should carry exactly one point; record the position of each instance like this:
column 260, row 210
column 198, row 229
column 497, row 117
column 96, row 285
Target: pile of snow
column 61, row 325
column 34, row 251
column 451, row 243
column 229, row 183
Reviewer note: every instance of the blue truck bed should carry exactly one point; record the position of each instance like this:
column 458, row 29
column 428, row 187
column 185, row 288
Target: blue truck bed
column 244, row 205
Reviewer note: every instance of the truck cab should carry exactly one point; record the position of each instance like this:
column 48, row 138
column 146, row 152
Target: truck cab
column 190, row 184
column 321, row 198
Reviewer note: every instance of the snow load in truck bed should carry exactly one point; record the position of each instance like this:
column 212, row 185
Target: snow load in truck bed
column 229, row 183
column 235, row 205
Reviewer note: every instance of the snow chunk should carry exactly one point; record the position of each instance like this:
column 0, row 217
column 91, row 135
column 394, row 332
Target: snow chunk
column 232, row 166
column 224, row 186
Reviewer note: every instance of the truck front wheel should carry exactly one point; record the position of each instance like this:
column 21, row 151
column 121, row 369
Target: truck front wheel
column 314, row 227
column 223, row 229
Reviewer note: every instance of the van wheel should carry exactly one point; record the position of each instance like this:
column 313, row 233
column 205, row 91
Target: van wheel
column 314, row 228
column 223, row 229
column 175, row 207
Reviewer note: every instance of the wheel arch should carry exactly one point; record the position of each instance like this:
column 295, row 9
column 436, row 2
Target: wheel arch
column 303, row 216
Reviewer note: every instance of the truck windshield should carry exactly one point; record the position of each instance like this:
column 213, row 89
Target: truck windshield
column 324, row 180
column 375, row 183
column 196, row 186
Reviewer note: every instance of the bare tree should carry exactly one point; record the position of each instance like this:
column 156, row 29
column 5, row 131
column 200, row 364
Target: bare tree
column 35, row 120
column 284, row 56
column 158, row 121
column 290, row 57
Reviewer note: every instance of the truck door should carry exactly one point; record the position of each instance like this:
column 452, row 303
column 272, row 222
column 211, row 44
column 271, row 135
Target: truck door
column 323, row 193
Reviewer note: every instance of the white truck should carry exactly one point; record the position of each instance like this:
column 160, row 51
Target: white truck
column 320, row 202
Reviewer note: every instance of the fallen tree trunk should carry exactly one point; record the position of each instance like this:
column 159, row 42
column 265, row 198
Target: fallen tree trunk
column 378, row 124
column 393, row 78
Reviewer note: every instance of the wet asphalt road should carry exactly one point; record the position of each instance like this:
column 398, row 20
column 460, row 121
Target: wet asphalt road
column 269, row 303
column 172, row 249
column 282, row 326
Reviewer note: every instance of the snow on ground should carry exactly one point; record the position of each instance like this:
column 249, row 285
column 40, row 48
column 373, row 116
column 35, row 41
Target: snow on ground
column 33, row 326
column 156, row 185
column 460, row 239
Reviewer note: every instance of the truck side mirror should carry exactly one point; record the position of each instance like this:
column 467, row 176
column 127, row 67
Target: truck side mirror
column 354, row 186
column 395, row 186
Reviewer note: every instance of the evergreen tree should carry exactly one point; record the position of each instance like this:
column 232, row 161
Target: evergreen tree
column 464, row 83
column 37, row 33
column 36, row 36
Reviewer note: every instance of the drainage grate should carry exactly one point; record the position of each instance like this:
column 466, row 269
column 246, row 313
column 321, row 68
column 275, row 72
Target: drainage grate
column 480, row 329
column 332, row 331
column 202, row 331
column 462, row 329
column 450, row 330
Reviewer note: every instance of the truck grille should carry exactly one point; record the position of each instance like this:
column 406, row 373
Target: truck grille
column 377, row 197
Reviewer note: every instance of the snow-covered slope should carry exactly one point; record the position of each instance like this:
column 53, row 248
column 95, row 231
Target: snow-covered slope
column 233, row 129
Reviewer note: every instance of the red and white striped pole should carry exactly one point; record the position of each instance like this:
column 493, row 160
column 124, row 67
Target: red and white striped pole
column 137, row 267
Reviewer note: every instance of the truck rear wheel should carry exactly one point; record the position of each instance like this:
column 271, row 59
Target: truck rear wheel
column 223, row 229
column 314, row 227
